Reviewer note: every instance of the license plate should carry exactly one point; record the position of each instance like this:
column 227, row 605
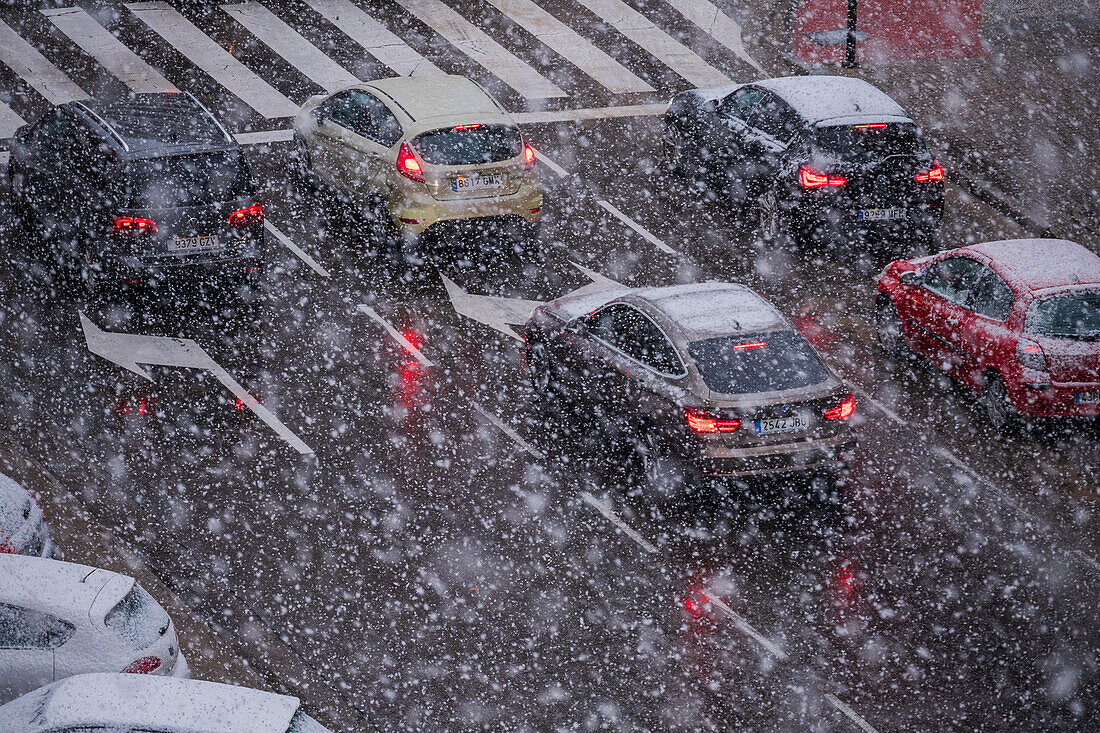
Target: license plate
column 789, row 424
column 881, row 214
column 1087, row 398
column 477, row 182
column 197, row 243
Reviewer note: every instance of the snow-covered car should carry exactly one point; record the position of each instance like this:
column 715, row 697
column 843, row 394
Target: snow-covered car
column 59, row 619
column 23, row 530
column 112, row 703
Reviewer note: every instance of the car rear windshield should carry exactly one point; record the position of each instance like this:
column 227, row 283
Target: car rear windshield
column 188, row 180
column 869, row 144
column 1071, row 316
column 466, row 145
column 764, row 362
column 138, row 619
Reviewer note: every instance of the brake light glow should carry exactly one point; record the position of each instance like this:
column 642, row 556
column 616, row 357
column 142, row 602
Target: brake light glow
column 935, row 173
column 132, row 225
column 750, row 345
column 846, row 407
column 813, row 178
column 1031, row 356
column 701, row 422
column 528, row 157
column 870, row 126
column 252, row 214
column 408, row 165
column 474, row 126
column 145, row 665
column 141, row 406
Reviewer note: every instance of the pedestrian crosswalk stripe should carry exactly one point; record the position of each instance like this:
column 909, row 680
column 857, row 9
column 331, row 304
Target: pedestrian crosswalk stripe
column 374, row 37
column 35, row 69
column 718, row 26
column 218, row 63
column 476, row 44
column 100, row 44
column 288, row 43
column 9, row 121
column 574, row 48
column 667, row 49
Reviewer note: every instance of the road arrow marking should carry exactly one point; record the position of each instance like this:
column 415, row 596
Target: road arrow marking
column 129, row 350
column 501, row 313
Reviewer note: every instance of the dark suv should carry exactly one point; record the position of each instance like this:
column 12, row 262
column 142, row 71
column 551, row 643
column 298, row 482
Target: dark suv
column 139, row 190
column 819, row 158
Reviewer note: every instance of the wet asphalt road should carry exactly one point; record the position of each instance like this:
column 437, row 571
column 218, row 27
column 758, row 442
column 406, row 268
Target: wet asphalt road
column 441, row 574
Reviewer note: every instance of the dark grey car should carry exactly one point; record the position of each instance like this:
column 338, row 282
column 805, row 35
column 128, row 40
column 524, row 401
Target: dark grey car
column 706, row 379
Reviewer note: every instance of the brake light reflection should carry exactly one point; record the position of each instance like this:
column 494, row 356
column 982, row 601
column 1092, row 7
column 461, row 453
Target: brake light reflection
column 139, row 406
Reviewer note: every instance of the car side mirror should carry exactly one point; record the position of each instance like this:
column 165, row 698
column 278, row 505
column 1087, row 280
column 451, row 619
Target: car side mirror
column 317, row 114
column 577, row 327
column 910, row 277
column 712, row 106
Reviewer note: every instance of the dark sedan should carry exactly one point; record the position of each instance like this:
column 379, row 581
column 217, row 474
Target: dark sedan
column 706, row 379
column 814, row 158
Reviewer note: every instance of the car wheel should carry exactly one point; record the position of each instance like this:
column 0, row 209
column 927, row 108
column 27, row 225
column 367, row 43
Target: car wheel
column 772, row 223
column 21, row 214
column 303, row 165
column 665, row 476
column 888, row 328
column 998, row 407
column 674, row 150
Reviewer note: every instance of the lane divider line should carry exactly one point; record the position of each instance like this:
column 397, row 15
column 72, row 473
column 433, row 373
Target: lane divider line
column 745, row 626
column 540, row 157
column 852, row 714
column 620, row 524
column 509, row 431
column 395, row 334
column 301, row 253
column 645, row 233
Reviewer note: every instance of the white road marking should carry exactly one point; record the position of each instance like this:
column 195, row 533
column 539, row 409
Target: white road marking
column 745, row 626
column 718, row 26
column 301, row 254
column 591, row 113
column 614, row 519
column 374, row 37
column 667, row 49
column 507, row 430
column 396, row 335
column 476, row 44
column 99, row 43
column 574, row 48
column 128, row 350
column 494, row 311
column 25, row 60
column 858, row 392
column 263, row 138
column 289, row 43
column 549, row 163
column 9, row 122
column 645, row 233
column 218, row 63
column 852, row 714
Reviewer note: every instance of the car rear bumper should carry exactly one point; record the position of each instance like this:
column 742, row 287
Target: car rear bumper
column 130, row 269
column 414, row 214
column 822, row 454
column 839, row 219
column 1053, row 400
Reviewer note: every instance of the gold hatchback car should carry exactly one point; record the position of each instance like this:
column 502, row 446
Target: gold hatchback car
column 431, row 153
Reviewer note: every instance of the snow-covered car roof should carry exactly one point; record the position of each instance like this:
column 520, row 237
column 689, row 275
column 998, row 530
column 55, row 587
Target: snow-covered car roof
column 819, row 99
column 441, row 99
column 1038, row 264
column 710, row 310
column 57, row 587
column 146, row 701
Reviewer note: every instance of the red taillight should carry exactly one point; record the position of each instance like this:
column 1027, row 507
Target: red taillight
column 247, row 216
column 813, row 178
column 408, row 165
column 134, row 225
column 935, row 173
column 528, row 157
column 140, row 406
column 846, row 407
column 751, row 345
column 473, row 126
column 145, row 665
column 870, row 126
column 701, row 422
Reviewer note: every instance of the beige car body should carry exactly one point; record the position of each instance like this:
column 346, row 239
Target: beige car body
column 366, row 169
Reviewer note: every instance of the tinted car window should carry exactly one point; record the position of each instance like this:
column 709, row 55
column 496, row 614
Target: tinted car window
column 50, row 132
column 138, row 619
column 469, row 145
column 954, row 279
column 869, row 145
column 188, row 180
column 763, row 362
column 23, row 628
column 365, row 115
column 1072, row 315
column 772, row 117
column 634, row 334
column 992, row 298
column 741, row 103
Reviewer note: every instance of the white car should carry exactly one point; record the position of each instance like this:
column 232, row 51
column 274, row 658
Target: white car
column 22, row 529
column 59, row 619
column 118, row 703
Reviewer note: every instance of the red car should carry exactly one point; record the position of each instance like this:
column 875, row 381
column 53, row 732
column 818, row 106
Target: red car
column 1016, row 321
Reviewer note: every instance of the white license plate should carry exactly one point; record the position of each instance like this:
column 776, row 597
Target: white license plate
column 197, row 243
column 881, row 214
column 789, row 424
column 477, row 182
column 1087, row 398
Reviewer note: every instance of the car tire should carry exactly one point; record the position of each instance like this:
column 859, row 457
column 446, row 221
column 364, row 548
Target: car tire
column 21, row 210
column 665, row 476
column 773, row 225
column 998, row 406
column 304, row 177
column 888, row 328
column 673, row 140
